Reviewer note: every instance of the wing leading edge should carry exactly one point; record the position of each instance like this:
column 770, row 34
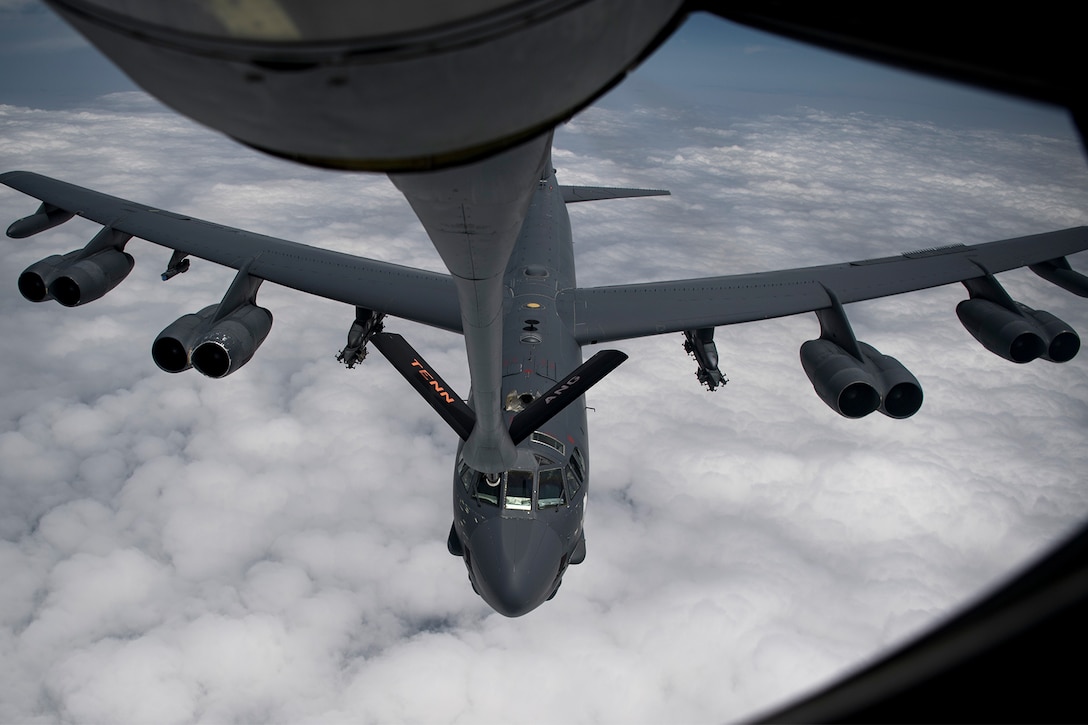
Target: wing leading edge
column 405, row 292
column 605, row 314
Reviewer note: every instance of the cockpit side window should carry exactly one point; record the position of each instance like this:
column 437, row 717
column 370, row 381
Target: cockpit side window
column 572, row 481
column 579, row 463
column 551, row 488
column 468, row 476
column 575, row 472
column 519, row 490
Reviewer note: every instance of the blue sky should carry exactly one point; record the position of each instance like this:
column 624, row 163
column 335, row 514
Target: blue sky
column 179, row 549
column 46, row 64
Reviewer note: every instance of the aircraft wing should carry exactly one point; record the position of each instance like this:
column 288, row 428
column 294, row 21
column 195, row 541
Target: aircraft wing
column 405, row 292
column 604, row 314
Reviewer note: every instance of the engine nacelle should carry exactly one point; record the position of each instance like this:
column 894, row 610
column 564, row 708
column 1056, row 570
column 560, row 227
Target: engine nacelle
column 1057, row 271
column 91, row 277
column 72, row 280
column 232, row 341
column 900, row 393
column 1062, row 341
column 1011, row 335
column 839, row 379
column 215, row 349
column 855, row 388
column 35, row 280
column 171, row 348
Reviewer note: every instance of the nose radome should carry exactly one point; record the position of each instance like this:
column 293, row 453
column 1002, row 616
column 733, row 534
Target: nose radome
column 515, row 562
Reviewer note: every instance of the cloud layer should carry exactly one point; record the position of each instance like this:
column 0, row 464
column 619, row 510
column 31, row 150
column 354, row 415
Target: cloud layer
column 271, row 547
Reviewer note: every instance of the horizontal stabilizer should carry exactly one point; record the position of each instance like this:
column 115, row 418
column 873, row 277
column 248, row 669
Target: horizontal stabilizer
column 574, row 386
column 572, row 194
column 426, row 382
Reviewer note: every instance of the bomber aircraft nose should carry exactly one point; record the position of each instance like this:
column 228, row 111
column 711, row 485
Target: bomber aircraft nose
column 515, row 562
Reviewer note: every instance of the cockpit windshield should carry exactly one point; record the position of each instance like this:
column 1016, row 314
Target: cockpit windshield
column 551, row 488
column 519, row 490
column 540, row 480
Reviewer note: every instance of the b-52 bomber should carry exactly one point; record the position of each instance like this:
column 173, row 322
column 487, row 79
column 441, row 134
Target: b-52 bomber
column 522, row 470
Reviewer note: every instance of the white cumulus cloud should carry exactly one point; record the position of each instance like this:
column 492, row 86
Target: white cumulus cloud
column 272, row 546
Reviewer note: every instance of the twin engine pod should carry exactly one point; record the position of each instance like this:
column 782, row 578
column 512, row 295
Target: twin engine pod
column 855, row 388
column 1019, row 335
column 72, row 279
column 216, row 341
column 216, row 345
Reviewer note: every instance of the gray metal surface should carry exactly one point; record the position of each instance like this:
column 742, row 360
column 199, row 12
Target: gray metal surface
column 473, row 215
column 400, row 86
column 624, row 311
column 413, row 294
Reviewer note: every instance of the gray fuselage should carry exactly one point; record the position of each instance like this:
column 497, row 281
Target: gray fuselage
column 518, row 531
